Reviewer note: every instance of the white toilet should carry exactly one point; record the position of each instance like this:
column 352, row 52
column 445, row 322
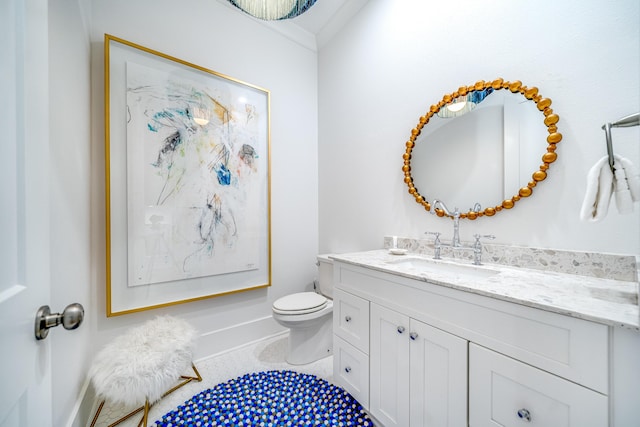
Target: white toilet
column 308, row 315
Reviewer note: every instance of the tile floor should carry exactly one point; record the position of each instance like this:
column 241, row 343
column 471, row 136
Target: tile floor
column 263, row 355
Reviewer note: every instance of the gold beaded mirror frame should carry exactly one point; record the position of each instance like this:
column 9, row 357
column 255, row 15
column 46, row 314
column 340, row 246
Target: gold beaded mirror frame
column 530, row 93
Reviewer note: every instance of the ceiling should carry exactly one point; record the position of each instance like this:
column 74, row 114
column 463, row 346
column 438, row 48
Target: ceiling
column 319, row 24
column 319, row 15
column 326, row 17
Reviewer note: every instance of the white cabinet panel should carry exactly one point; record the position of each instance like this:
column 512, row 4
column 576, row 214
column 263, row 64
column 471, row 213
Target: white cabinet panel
column 438, row 377
column 351, row 370
column 351, row 319
column 389, row 361
column 506, row 392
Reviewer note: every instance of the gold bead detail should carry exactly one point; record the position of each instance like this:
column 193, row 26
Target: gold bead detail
column 515, row 86
column 549, row 157
column 539, row 175
column 525, row 192
column 551, row 119
column 554, row 138
column 507, row 204
column 531, row 92
column 543, row 103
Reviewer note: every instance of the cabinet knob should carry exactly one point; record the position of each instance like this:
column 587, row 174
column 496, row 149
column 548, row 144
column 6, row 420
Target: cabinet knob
column 347, row 369
column 413, row 335
column 347, row 318
column 400, row 329
column 524, row 414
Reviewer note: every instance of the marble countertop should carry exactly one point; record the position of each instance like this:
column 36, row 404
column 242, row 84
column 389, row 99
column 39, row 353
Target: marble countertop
column 607, row 301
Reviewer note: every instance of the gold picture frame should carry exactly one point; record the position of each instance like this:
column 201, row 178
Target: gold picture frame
column 187, row 181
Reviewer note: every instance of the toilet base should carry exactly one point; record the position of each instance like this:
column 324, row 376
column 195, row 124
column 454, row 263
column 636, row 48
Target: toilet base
column 308, row 344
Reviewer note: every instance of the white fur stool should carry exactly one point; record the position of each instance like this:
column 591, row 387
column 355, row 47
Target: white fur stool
column 139, row 367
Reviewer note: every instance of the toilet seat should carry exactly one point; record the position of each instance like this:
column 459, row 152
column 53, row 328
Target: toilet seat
column 300, row 303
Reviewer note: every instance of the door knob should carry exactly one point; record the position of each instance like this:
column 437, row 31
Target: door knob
column 70, row 319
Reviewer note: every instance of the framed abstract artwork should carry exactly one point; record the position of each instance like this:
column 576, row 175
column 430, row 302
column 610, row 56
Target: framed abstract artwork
column 187, row 185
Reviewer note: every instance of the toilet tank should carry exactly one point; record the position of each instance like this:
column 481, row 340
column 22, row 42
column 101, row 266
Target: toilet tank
column 325, row 276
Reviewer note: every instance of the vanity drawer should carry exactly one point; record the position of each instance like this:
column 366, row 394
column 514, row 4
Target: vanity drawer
column 351, row 319
column 351, row 370
column 505, row 392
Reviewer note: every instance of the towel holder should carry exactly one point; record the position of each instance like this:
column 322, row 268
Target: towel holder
column 628, row 121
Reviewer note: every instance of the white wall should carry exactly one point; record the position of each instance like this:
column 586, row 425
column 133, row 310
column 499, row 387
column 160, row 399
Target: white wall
column 219, row 37
column 215, row 36
column 396, row 59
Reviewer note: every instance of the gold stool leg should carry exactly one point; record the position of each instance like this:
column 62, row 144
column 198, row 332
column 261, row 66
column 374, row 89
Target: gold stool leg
column 145, row 416
column 126, row 417
column 95, row 417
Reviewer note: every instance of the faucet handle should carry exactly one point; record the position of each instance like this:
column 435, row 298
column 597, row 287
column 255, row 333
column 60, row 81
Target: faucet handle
column 483, row 236
column 434, row 233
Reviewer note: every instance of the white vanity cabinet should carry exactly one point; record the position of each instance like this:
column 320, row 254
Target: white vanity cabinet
column 509, row 364
column 418, row 374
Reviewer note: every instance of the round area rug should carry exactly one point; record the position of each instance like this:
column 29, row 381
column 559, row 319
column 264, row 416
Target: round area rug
column 270, row 399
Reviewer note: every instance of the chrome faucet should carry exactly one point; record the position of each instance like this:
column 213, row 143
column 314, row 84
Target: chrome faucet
column 455, row 242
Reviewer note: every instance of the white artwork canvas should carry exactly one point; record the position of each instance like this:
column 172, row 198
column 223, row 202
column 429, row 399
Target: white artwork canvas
column 195, row 176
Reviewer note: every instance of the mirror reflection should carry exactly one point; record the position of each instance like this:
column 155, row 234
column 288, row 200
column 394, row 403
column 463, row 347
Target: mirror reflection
column 485, row 156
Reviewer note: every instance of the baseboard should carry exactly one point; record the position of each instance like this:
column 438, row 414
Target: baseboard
column 209, row 344
column 81, row 413
column 222, row 340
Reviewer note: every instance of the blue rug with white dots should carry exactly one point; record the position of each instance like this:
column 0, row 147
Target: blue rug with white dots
column 270, row 399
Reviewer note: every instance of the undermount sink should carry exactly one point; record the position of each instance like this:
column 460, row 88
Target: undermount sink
column 429, row 266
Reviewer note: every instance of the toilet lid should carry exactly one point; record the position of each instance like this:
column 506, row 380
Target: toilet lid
column 300, row 303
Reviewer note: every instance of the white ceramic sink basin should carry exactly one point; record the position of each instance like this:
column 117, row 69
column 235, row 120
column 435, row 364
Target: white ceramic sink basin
column 429, row 266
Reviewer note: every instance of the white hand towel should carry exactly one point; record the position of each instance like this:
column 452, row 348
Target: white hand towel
column 631, row 174
column 599, row 190
column 624, row 203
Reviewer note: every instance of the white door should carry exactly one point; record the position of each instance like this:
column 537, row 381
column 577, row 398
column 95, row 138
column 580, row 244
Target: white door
column 25, row 385
column 389, row 365
column 438, row 385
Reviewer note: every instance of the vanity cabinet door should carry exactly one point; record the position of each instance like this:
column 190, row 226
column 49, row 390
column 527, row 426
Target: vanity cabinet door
column 389, row 367
column 438, row 384
column 509, row 393
column 418, row 373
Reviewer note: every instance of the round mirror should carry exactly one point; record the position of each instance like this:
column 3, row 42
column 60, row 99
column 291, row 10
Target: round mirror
column 480, row 148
